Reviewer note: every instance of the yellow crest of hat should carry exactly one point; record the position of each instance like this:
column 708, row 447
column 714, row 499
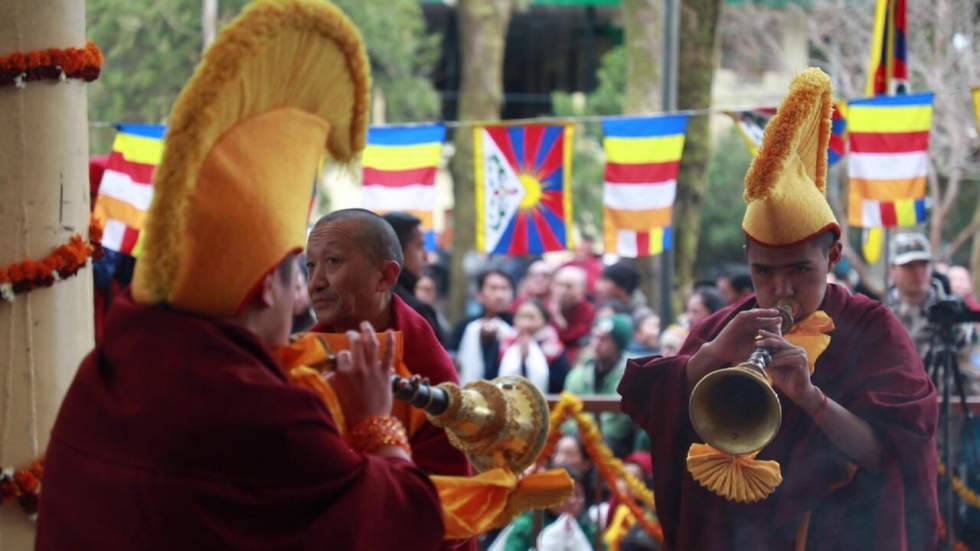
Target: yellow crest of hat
column 283, row 83
column 785, row 187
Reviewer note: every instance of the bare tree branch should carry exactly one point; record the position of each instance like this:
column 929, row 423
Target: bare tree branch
column 961, row 238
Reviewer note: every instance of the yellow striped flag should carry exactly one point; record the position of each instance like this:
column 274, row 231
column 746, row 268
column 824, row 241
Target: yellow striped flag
column 127, row 185
column 889, row 160
column 400, row 165
column 643, row 156
column 976, row 104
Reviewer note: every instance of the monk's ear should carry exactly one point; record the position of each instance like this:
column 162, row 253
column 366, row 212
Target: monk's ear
column 389, row 275
column 835, row 254
column 266, row 297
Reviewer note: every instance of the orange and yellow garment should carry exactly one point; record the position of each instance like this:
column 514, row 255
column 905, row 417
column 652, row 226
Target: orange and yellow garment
column 471, row 505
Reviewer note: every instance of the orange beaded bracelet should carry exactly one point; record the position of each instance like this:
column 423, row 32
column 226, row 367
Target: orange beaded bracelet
column 377, row 432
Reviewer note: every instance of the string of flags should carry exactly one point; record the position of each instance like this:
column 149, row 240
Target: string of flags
column 523, row 175
column 127, row 185
column 889, row 160
column 399, row 172
column 643, row 157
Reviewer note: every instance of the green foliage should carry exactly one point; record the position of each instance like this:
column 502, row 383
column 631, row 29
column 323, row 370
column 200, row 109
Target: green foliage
column 151, row 50
column 588, row 164
column 402, row 55
column 721, row 236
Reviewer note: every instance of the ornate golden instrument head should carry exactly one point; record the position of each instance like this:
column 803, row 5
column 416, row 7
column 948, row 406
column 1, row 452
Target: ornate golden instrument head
column 501, row 423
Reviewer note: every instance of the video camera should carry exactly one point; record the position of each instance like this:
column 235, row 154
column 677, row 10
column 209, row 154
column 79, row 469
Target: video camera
column 949, row 311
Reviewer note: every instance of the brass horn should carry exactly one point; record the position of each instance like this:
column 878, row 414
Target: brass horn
column 498, row 423
column 735, row 409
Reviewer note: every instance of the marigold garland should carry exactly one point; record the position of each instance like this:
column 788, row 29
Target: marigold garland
column 610, row 467
column 23, row 485
column 62, row 263
column 51, row 64
column 959, row 486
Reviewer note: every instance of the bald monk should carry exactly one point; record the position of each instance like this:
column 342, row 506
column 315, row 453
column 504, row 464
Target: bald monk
column 354, row 259
column 856, row 447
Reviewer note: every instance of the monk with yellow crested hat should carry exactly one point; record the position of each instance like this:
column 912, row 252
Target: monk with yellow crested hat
column 853, row 464
column 180, row 430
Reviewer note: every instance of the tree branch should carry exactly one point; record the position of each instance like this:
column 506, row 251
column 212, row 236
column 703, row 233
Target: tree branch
column 961, row 239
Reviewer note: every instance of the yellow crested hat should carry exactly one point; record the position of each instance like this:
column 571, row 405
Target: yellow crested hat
column 285, row 81
column 786, row 186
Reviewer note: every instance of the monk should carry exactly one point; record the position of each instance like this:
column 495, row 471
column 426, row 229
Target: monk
column 857, row 442
column 354, row 259
column 180, row 430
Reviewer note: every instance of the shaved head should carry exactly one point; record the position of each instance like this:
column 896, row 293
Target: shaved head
column 569, row 285
column 369, row 230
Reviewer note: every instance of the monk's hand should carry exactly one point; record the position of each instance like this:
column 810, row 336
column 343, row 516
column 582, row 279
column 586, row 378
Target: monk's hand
column 363, row 379
column 737, row 340
column 789, row 368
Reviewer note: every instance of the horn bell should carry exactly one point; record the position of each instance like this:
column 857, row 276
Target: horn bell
column 735, row 409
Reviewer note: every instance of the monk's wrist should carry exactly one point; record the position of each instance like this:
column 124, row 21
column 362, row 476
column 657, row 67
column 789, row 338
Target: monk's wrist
column 813, row 402
column 704, row 361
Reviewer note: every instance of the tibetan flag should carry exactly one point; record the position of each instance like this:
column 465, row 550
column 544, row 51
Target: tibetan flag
column 751, row 125
column 838, row 134
column 523, row 188
column 643, row 156
column 888, row 71
column 889, row 160
column 127, row 185
column 400, row 165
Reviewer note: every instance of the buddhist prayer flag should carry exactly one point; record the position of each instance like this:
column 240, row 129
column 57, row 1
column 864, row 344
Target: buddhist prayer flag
column 400, row 165
column 888, row 71
column 751, row 125
column 127, row 185
column 523, row 188
column 889, row 160
column 643, row 156
column 976, row 104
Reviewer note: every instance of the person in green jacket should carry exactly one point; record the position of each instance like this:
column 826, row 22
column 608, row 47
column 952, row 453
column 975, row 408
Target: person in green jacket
column 521, row 537
column 600, row 375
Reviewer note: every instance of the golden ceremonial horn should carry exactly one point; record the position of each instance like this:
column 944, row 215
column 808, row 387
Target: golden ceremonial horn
column 498, row 423
column 735, row 409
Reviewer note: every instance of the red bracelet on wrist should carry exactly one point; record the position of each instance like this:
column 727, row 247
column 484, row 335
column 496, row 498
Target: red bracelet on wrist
column 820, row 409
column 377, row 432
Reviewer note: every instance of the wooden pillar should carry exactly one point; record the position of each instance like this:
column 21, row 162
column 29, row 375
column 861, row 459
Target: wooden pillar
column 44, row 200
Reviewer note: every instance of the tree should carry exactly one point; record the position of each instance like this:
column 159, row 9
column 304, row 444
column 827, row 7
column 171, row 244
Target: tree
column 402, row 56
column 943, row 50
column 721, row 238
column 588, row 162
column 696, row 68
column 151, row 50
column 483, row 30
column 643, row 22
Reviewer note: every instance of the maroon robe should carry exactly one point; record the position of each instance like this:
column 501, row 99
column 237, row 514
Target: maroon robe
column 872, row 369
column 580, row 319
column 181, row 432
column 425, row 356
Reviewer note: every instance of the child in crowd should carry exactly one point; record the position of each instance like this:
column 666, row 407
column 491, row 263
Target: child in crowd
column 532, row 348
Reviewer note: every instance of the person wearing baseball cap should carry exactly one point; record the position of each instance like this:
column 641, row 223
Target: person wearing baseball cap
column 853, row 464
column 912, row 286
